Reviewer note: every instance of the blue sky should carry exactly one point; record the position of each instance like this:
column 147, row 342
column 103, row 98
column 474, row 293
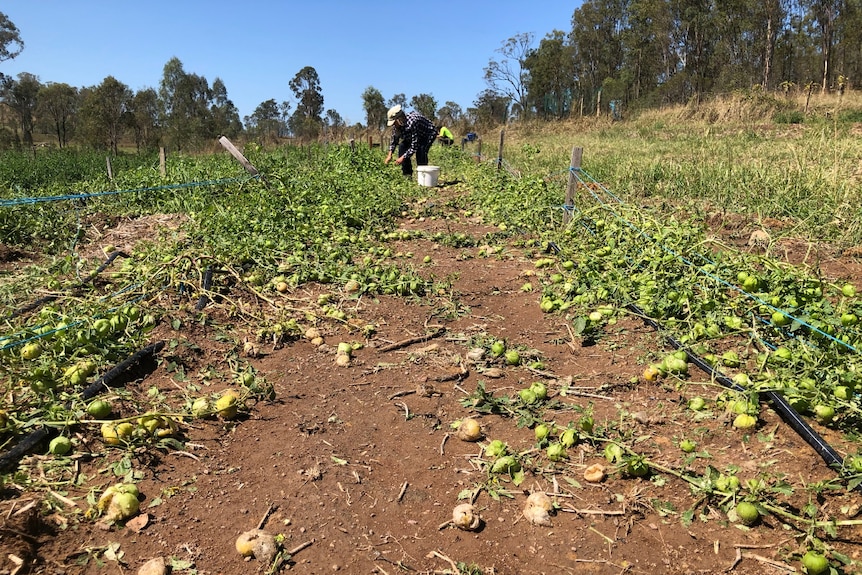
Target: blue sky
column 438, row 47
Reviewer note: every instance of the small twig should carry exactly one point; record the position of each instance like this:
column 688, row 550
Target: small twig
column 186, row 454
column 446, row 559
column 266, row 515
column 592, row 511
column 442, row 443
column 62, row 499
column 300, row 547
column 735, row 561
column 401, row 493
column 401, row 393
column 771, row 562
column 412, row 340
column 406, row 411
column 602, row 535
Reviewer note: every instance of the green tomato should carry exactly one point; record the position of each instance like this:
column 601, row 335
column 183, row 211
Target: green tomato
column 747, row 513
column 99, row 409
column 555, row 452
column 498, row 348
column 696, row 403
column 687, row 445
column 815, row 563
column 540, row 390
column 527, row 396
column 513, row 357
column 542, row 432
column 848, row 290
column 60, row 445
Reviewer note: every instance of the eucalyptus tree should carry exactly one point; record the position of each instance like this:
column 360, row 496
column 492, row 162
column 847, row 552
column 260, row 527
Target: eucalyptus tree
column 597, row 39
column 21, row 96
column 143, row 119
column 509, row 76
column 397, row 100
column 265, row 121
column 824, row 15
column 426, row 105
column 306, row 120
column 185, row 99
column 551, row 85
column 450, row 114
column 374, row 107
column 11, row 44
column 491, row 108
column 334, row 125
column 104, row 113
column 223, row 113
column 58, row 103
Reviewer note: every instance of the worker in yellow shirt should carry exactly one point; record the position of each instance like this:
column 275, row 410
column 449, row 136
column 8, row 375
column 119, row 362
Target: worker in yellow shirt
column 445, row 136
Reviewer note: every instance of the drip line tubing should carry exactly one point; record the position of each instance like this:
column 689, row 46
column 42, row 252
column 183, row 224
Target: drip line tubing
column 776, row 400
column 207, row 284
column 11, row 457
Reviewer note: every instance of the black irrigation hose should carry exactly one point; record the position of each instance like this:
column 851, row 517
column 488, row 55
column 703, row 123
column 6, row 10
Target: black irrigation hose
column 779, row 404
column 47, row 299
column 208, row 282
column 10, row 459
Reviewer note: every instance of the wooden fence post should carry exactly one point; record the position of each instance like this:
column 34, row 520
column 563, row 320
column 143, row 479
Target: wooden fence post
column 228, row 145
column 110, row 169
column 572, row 185
column 500, row 153
column 163, row 160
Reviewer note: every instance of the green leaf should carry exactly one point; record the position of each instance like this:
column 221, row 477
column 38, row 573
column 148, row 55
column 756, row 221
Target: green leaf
column 687, row 517
column 518, row 477
column 339, row 461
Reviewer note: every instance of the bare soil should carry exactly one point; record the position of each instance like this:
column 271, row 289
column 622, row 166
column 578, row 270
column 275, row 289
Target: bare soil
column 359, row 469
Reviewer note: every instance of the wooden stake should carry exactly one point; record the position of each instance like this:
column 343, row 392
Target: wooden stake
column 228, row 145
column 572, row 186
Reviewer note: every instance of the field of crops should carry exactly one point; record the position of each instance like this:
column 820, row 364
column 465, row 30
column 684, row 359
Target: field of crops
column 364, row 375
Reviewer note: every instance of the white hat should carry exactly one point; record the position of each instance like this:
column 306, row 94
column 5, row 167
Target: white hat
column 393, row 112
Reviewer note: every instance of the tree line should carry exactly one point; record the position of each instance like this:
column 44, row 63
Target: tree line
column 650, row 53
column 627, row 53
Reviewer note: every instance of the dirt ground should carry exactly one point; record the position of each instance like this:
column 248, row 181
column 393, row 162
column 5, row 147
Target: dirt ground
column 359, row 468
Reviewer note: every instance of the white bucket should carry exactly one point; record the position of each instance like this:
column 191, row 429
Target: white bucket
column 428, row 175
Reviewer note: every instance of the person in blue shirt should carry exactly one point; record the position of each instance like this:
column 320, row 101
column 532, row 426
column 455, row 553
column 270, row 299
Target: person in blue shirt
column 413, row 134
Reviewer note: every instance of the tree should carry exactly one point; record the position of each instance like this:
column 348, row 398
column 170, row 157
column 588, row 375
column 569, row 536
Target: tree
column 186, row 102
column 397, row 100
column 426, row 105
column 551, row 76
column 143, row 118
column 375, row 108
column 225, row 116
column 597, row 40
column 824, row 14
column 450, row 114
column 306, row 120
column 21, row 96
column 509, row 76
column 492, row 108
column 10, row 39
column 265, row 121
column 104, row 113
column 334, row 124
column 59, row 103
